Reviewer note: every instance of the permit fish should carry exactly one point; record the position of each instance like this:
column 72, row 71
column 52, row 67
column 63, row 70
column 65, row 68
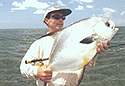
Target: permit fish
column 76, row 44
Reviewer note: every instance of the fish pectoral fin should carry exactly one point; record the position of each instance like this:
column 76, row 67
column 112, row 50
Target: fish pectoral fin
column 87, row 40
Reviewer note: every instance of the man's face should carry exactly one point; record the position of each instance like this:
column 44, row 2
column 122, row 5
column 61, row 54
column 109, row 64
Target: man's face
column 55, row 20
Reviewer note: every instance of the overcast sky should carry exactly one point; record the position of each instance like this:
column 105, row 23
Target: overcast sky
column 29, row 13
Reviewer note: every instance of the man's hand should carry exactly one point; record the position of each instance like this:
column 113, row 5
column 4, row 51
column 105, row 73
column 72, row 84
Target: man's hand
column 44, row 75
column 102, row 46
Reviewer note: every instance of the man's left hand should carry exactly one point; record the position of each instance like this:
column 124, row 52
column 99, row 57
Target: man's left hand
column 102, row 46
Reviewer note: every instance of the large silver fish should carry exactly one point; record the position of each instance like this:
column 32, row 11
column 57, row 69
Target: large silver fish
column 76, row 45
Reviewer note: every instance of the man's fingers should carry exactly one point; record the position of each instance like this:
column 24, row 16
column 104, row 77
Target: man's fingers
column 46, row 74
column 106, row 44
column 45, row 79
column 100, row 48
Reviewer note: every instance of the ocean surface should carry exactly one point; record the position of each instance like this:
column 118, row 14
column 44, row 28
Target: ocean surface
column 108, row 71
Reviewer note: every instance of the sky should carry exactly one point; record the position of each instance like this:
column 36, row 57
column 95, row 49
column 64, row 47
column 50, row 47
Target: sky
column 29, row 13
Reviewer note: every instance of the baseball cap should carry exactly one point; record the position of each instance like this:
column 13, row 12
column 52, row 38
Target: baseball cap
column 61, row 9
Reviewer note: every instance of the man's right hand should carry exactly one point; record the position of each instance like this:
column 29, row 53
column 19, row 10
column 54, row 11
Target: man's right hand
column 44, row 75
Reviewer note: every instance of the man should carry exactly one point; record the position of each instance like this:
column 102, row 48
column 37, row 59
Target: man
column 54, row 19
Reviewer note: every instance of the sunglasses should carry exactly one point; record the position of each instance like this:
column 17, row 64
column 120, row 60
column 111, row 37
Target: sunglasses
column 57, row 17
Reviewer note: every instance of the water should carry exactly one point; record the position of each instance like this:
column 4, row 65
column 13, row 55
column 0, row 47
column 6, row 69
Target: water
column 109, row 69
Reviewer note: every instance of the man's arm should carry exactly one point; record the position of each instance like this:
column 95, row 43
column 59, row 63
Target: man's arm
column 31, row 70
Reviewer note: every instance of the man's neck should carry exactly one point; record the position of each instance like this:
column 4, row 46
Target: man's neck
column 53, row 30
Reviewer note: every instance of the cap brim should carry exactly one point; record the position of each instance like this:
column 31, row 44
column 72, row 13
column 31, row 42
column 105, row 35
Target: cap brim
column 65, row 12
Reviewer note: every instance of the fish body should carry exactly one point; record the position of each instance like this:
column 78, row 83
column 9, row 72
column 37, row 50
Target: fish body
column 76, row 44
